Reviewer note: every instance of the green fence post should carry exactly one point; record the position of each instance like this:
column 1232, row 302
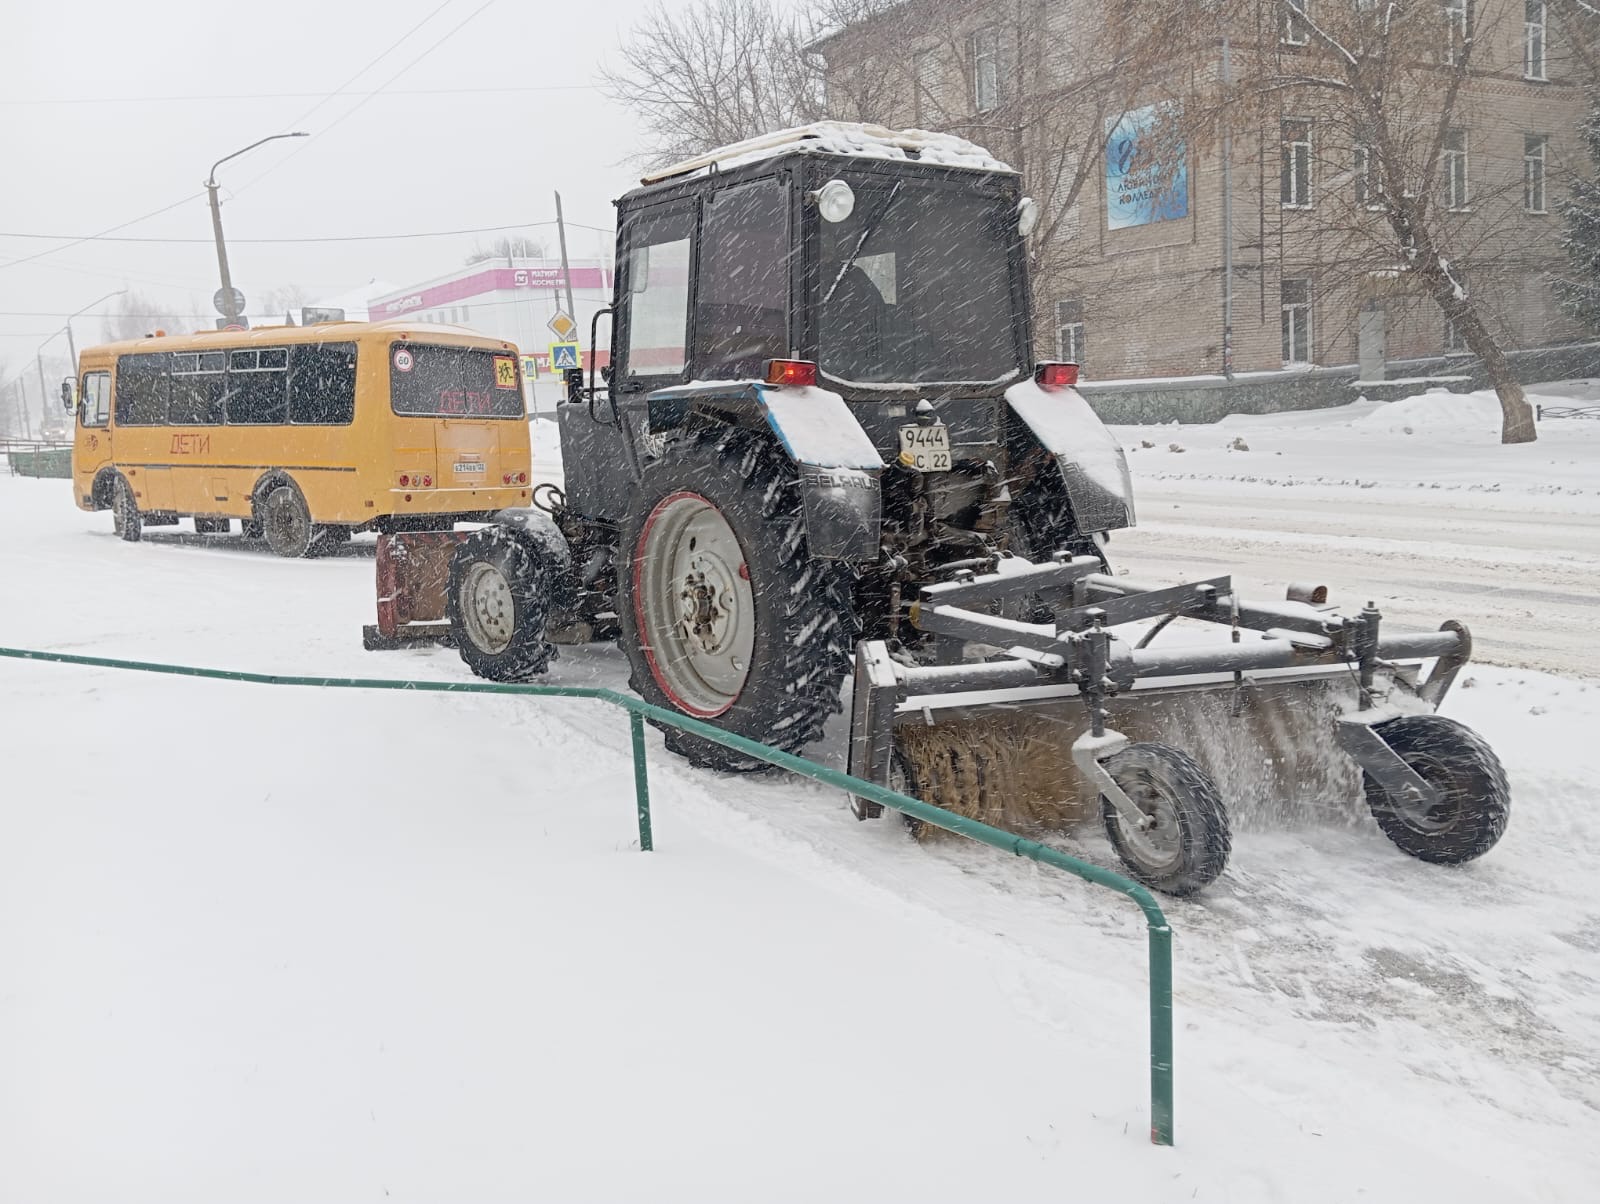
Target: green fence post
column 1160, row 1034
column 641, row 780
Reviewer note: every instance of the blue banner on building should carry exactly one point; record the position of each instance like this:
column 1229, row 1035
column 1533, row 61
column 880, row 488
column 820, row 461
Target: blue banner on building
column 1147, row 178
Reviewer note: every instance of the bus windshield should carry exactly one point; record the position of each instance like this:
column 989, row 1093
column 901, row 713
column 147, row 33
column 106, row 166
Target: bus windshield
column 443, row 382
column 916, row 286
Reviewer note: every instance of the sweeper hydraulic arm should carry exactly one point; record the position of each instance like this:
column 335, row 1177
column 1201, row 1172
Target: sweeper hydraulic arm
column 819, row 444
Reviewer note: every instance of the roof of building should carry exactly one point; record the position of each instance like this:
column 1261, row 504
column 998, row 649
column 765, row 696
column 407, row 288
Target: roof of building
column 848, row 138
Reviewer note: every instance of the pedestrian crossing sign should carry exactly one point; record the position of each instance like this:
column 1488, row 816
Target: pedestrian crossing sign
column 564, row 355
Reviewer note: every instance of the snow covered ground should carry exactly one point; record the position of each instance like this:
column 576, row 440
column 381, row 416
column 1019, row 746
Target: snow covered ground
column 267, row 944
column 1413, row 503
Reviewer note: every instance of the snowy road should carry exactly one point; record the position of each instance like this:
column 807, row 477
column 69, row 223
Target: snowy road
column 1527, row 585
column 270, row 944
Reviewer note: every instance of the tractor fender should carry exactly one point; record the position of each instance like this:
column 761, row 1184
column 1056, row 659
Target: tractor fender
column 840, row 469
column 540, row 532
column 1092, row 462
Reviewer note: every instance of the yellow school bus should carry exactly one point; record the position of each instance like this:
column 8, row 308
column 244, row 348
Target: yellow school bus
column 303, row 434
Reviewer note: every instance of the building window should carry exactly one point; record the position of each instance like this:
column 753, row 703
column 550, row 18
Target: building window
column 1533, row 39
column 1457, row 28
column 1295, row 296
column 1533, row 152
column 1455, row 169
column 1296, row 29
column 1069, row 331
column 1369, row 178
column 1296, row 183
column 986, row 69
column 925, row 84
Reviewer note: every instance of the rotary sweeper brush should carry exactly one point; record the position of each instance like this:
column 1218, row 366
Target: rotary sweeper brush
column 819, row 443
column 1032, row 726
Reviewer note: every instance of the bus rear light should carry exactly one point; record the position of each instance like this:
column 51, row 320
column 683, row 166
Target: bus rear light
column 799, row 373
column 522, row 478
column 405, row 480
column 1050, row 375
column 427, row 482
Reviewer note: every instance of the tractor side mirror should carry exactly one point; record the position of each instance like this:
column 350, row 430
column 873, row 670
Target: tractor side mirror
column 67, row 401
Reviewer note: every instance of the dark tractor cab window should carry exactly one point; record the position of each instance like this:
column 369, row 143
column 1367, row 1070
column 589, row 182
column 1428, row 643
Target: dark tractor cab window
column 917, row 285
column 742, row 302
column 655, row 273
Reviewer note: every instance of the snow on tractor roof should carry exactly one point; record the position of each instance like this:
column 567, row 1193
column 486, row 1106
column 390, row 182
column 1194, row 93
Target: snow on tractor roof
column 839, row 138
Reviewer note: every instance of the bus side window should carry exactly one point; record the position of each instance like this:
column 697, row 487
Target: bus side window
column 322, row 384
column 94, row 401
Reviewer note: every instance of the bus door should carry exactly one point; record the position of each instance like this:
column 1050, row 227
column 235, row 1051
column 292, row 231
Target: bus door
column 91, row 440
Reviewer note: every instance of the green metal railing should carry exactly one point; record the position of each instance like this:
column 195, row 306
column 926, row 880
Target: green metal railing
column 1160, row 933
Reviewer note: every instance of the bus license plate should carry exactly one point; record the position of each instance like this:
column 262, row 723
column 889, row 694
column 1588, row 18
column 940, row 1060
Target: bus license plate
column 925, row 448
column 468, row 466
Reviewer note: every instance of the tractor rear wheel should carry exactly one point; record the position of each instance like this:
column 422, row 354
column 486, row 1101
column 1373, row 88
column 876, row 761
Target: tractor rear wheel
column 1474, row 799
column 1182, row 843
column 724, row 615
column 498, row 604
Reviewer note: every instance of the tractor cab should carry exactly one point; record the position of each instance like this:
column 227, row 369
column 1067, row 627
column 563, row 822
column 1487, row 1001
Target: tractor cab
column 893, row 262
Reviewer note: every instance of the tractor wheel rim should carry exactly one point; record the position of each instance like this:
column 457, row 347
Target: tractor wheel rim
column 487, row 608
column 1422, row 818
column 696, row 604
column 1158, row 843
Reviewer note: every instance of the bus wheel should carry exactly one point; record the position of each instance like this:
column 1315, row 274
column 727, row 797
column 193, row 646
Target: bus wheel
column 124, row 511
column 286, row 522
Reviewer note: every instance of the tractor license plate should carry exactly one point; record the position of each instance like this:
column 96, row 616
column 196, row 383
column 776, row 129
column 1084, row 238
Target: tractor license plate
column 469, row 466
column 925, row 448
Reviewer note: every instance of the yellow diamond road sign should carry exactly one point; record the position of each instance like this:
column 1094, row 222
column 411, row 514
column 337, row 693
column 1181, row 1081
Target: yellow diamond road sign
column 562, row 325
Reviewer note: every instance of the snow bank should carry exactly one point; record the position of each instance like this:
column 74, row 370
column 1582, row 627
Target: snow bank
column 1437, row 414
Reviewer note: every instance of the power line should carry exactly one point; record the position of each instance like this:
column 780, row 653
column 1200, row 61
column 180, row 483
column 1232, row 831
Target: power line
column 11, row 263
column 227, row 96
column 300, row 120
column 350, row 112
column 309, row 238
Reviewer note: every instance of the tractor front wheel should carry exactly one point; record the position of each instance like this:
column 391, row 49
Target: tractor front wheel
column 1181, row 841
column 724, row 615
column 498, row 604
column 1474, row 800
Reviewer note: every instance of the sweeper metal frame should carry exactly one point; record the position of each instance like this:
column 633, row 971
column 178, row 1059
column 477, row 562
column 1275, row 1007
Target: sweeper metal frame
column 1435, row 789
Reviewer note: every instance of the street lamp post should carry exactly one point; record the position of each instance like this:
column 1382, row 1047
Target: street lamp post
column 229, row 309
column 72, row 347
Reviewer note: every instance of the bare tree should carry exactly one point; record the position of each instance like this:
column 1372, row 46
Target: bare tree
column 1040, row 85
column 1375, row 96
column 506, row 247
column 134, row 315
column 714, row 72
column 285, row 300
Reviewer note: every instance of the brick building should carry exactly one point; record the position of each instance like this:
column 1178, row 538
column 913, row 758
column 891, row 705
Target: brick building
column 1133, row 285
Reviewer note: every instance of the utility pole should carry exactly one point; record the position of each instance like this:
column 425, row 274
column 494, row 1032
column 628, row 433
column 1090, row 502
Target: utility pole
column 44, row 394
column 1227, row 219
column 566, row 269
column 229, row 309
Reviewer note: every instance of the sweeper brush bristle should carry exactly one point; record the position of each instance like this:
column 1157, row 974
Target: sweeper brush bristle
column 1269, row 747
column 1011, row 771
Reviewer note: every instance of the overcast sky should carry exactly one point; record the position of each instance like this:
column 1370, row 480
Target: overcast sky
column 111, row 110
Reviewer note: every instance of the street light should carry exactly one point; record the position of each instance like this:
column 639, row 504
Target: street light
column 229, row 309
column 72, row 349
